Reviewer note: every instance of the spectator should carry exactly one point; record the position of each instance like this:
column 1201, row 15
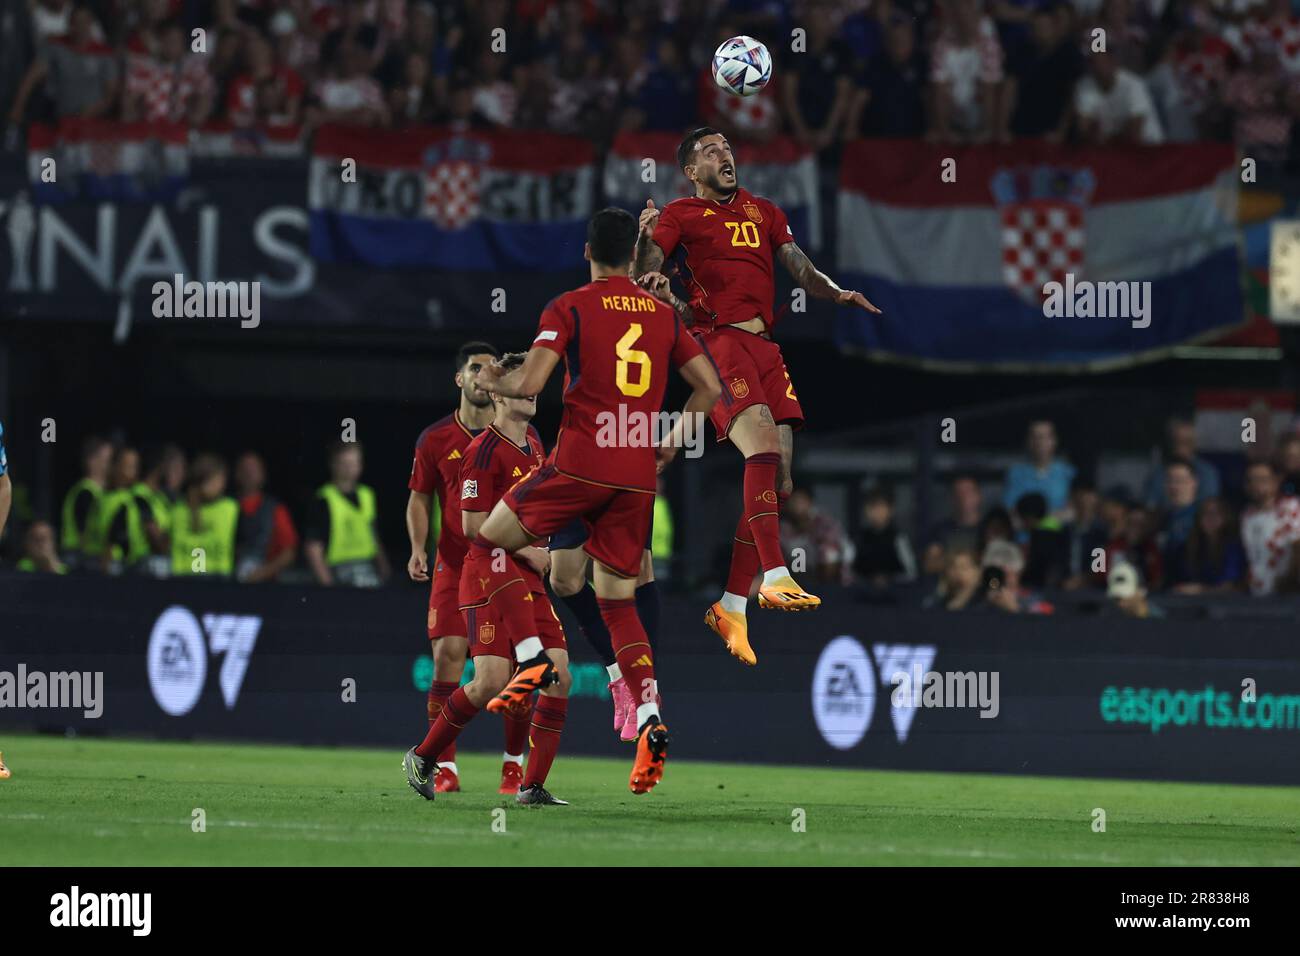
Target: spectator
column 1114, row 105
column 1003, row 564
column 19, row 44
column 1043, row 472
column 960, row 585
column 1180, row 445
column 1270, row 529
column 1086, row 532
column 1047, row 546
column 342, row 546
column 960, row 529
column 1212, row 559
column 1136, row 544
column 204, row 522
column 995, row 526
column 1262, row 102
column 807, row 529
column 882, row 554
column 1179, row 517
column 413, row 101
column 890, row 102
column 661, row 98
column 1288, row 464
column 816, row 84
column 81, row 537
column 496, row 99
column 80, row 73
column 350, row 95
column 1202, row 61
column 966, row 74
column 39, row 554
column 266, row 93
column 126, row 543
column 1128, row 596
column 1042, row 74
column 266, row 542
column 173, row 86
column 155, row 496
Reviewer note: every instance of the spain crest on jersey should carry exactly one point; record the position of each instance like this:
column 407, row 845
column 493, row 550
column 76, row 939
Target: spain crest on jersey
column 753, row 212
column 1041, row 212
column 453, row 173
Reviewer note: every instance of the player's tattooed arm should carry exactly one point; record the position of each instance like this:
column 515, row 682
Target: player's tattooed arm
column 818, row 284
column 659, row 286
column 648, row 256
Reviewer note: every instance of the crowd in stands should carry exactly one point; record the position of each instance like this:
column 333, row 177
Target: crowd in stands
column 1136, row 71
column 1189, row 529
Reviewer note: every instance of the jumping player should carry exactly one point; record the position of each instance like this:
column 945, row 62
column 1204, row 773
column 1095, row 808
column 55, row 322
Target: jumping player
column 497, row 459
column 729, row 236
column 618, row 343
column 435, row 472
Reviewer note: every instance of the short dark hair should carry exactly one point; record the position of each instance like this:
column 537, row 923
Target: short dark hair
column 611, row 236
column 687, row 146
column 512, row 360
column 1032, row 506
column 1181, row 463
column 470, row 349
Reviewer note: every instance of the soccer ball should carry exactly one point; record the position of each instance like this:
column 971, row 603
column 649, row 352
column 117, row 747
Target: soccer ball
column 742, row 66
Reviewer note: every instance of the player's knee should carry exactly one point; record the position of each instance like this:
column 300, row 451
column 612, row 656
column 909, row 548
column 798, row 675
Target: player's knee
column 568, row 583
column 448, row 656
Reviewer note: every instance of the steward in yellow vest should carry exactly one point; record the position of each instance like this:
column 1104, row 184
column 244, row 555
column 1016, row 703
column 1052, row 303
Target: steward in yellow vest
column 204, row 523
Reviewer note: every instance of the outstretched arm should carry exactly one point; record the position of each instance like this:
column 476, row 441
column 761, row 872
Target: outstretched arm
column 816, row 283
column 647, row 256
column 529, row 379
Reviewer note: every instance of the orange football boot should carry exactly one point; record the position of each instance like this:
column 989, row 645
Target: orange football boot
column 533, row 675
column 786, row 595
column 733, row 629
column 651, row 750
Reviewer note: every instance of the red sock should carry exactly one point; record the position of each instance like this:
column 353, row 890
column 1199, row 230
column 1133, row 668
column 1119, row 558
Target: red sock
column 516, row 725
column 631, row 647
column 744, row 560
column 456, row 713
column 544, row 741
column 439, row 691
column 762, row 508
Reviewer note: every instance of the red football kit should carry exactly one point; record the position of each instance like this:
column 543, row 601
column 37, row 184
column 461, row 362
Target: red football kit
column 492, row 465
column 728, row 249
column 436, row 471
column 619, row 344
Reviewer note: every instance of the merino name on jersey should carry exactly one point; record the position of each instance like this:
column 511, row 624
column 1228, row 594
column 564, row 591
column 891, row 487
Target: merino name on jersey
column 728, row 249
column 613, row 363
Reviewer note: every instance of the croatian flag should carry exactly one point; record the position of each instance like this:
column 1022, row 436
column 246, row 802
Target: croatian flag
column 643, row 166
column 1037, row 256
column 106, row 160
column 442, row 199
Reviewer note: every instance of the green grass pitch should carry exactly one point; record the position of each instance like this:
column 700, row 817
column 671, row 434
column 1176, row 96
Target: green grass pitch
column 86, row 801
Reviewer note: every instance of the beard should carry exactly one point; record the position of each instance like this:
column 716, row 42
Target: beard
column 713, row 181
column 478, row 399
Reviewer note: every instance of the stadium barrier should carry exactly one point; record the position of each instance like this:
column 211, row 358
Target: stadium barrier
column 1088, row 696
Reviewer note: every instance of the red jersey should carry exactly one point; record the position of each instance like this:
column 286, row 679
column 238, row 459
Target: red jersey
column 436, row 471
column 728, row 250
column 618, row 344
column 492, row 465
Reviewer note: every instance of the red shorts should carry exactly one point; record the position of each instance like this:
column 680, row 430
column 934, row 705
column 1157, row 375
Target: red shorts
column 489, row 624
column 753, row 373
column 445, row 619
column 617, row 519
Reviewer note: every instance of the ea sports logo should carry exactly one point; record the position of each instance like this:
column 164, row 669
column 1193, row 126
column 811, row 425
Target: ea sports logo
column 843, row 692
column 177, row 660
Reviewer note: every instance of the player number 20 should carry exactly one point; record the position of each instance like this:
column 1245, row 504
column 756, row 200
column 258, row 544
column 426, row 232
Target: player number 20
column 744, row 234
column 627, row 357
